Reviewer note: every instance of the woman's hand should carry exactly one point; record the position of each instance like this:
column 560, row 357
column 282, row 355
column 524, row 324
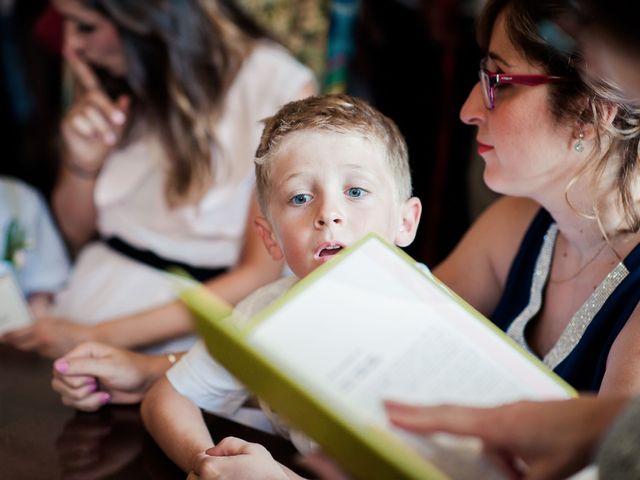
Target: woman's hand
column 94, row 374
column 533, row 440
column 94, row 124
column 48, row 336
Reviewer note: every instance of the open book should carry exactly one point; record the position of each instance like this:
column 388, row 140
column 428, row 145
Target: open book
column 365, row 327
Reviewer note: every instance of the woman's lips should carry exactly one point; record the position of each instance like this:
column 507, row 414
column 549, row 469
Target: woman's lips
column 483, row 148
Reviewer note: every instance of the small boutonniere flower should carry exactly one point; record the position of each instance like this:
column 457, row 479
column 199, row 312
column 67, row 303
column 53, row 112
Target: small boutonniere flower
column 16, row 244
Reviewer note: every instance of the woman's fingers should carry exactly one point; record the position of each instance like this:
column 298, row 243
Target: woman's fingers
column 97, row 117
column 72, row 388
column 100, row 125
column 90, row 403
column 81, row 69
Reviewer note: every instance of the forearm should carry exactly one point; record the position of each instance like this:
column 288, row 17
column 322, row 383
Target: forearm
column 146, row 328
column 154, row 367
column 181, row 436
column 173, row 319
column 74, row 208
column 40, row 302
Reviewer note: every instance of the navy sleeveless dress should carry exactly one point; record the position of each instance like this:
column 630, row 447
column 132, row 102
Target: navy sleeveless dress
column 580, row 354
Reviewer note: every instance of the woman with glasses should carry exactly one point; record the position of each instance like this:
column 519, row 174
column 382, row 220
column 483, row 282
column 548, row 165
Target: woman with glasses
column 554, row 263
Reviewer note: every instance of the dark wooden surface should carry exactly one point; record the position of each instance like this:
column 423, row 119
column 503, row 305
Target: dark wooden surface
column 40, row 438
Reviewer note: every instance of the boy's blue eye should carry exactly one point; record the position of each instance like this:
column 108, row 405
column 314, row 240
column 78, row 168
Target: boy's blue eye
column 356, row 192
column 300, row 199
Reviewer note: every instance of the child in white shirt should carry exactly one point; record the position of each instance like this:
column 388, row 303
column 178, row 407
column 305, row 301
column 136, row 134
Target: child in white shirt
column 329, row 170
column 30, row 244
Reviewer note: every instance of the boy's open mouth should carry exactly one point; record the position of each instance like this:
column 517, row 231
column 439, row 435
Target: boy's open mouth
column 329, row 250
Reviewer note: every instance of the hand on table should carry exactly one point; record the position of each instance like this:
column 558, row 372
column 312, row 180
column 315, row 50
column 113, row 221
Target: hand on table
column 94, row 374
column 234, row 458
column 48, row 336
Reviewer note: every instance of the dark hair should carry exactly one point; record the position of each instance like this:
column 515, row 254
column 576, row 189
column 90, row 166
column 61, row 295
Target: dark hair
column 578, row 101
column 182, row 56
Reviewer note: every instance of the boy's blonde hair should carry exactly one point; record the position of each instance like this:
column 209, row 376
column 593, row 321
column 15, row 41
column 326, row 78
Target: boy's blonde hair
column 337, row 113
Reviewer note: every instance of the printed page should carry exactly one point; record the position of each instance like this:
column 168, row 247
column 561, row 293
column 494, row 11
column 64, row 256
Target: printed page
column 14, row 312
column 375, row 328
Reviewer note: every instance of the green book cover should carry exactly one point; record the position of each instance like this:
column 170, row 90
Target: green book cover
column 367, row 326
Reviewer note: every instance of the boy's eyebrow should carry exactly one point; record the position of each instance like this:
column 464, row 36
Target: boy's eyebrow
column 289, row 177
column 302, row 173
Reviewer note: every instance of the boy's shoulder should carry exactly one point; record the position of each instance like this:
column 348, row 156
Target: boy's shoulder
column 263, row 296
column 18, row 185
column 18, row 195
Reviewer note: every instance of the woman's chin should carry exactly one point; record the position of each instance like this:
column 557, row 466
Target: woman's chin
column 497, row 184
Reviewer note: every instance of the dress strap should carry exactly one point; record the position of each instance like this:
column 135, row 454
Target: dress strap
column 153, row 260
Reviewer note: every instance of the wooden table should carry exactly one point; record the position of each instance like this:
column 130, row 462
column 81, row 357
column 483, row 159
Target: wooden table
column 40, row 438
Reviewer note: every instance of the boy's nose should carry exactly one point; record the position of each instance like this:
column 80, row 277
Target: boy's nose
column 326, row 218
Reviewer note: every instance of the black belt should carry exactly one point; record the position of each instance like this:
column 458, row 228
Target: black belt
column 149, row 258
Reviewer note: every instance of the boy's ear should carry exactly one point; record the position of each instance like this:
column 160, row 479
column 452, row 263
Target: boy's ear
column 268, row 238
column 409, row 220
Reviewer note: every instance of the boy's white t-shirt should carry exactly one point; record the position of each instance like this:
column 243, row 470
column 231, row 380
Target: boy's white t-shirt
column 211, row 387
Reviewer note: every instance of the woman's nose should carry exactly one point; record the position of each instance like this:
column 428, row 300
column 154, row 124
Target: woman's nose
column 473, row 111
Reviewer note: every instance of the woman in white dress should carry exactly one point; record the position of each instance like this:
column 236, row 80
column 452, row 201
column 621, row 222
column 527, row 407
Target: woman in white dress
column 157, row 165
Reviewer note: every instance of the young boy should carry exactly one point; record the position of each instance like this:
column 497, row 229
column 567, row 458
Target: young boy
column 329, row 170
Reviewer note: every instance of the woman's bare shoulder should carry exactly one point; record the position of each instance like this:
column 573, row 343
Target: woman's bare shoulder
column 478, row 266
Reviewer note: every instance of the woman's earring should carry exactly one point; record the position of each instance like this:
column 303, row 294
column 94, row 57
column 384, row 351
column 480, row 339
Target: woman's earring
column 579, row 146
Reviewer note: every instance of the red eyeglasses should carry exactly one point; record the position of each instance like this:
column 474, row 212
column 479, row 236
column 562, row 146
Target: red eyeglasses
column 490, row 80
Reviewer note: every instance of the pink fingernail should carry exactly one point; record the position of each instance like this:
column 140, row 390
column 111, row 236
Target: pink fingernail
column 104, row 397
column 93, row 387
column 61, row 366
column 118, row 117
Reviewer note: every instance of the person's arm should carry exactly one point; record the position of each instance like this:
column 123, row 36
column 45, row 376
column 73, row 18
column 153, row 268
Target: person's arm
column 94, row 374
column 175, row 423
column 622, row 374
column 54, row 337
column 549, row 440
column 73, row 206
column 90, row 130
column 39, row 303
column 478, row 267
column 254, row 269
